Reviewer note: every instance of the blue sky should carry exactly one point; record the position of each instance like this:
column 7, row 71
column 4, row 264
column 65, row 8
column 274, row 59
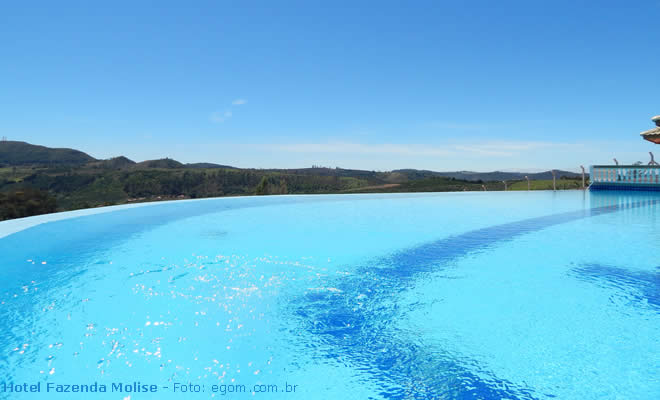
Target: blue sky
column 441, row 85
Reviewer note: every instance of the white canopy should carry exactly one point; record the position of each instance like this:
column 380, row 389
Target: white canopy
column 651, row 132
column 656, row 119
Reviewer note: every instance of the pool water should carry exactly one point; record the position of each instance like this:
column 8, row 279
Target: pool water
column 509, row 295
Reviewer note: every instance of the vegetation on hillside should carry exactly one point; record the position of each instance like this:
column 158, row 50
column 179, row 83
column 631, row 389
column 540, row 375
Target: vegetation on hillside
column 25, row 203
column 546, row 184
column 61, row 181
column 20, row 153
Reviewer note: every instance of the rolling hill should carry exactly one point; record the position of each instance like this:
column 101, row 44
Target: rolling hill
column 14, row 153
column 67, row 179
column 487, row 176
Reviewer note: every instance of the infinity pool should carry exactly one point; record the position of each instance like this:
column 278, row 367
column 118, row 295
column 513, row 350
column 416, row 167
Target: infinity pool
column 509, row 295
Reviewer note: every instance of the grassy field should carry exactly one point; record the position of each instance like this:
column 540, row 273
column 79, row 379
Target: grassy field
column 562, row 184
column 15, row 174
column 434, row 184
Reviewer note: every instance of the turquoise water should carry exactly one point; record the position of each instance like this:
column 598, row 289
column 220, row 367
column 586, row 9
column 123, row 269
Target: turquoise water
column 516, row 295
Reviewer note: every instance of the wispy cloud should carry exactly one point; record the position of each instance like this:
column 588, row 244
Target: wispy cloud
column 504, row 149
column 458, row 126
column 358, row 148
column 475, row 127
column 222, row 116
column 219, row 117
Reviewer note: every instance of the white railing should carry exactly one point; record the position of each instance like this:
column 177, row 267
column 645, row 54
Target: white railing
column 626, row 174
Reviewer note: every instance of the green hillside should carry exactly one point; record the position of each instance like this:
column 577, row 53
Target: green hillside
column 165, row 163
column 37, row 179
column 20, row 154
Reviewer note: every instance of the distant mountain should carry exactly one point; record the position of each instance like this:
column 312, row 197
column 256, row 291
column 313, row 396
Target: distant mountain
column 119, row 162
column 208, row 165
column 113, row 163
column 413, row 174
column 41, row 178
column 166, row 163
column 14, row 153
column 548, row 175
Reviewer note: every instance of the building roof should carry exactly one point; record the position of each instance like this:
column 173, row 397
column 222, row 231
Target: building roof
column 651, row 132
column 655, row 131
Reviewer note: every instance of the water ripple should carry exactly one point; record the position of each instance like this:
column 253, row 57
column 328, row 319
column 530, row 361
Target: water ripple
column 356, row 321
